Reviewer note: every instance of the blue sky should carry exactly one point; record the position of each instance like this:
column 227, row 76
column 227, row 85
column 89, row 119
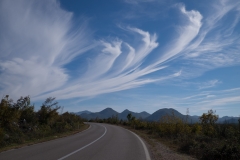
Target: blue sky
column 141, row 55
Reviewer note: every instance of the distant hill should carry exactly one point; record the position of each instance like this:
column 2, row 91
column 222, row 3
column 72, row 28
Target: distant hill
column 109, row 112
column 191, row 119
column 162, row 112
column 170, row 111
column 144, row 115
column 124, row 114
column 86, row 111
column 106, row 113
column 227, row 119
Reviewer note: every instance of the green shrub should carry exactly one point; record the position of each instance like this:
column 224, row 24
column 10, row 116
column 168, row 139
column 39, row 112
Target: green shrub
column 19, row 122
column 1, row 135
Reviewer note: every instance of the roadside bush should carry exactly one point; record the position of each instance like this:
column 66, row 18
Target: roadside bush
column 19, row 122
column 225, row 151
column 1, row 135
column 196, row 129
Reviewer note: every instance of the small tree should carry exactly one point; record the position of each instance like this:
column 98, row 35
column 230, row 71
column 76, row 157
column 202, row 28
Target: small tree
column 28, row 118
column 209, row 118
column 208, row 121
column 9, row 114
column 129, row 117
column 48, row 114
column 131, row 120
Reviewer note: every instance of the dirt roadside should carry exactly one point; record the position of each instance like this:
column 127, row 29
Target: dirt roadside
column 158, row 150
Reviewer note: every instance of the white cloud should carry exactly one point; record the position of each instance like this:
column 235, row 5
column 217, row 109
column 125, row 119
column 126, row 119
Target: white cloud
column 43, row 42
column 36, row 41
column 210, row 99
column 217, row 44
column 200, row 102
column 209, row 84
column 138, row 1
column 105, row 75
column 186, row 34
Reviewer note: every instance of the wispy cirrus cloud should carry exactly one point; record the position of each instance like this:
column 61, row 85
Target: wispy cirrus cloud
column 217, row 44
column 223, row 101
column 39, row 39
column 209, row 84
column 220, row 100
column 200, row 85
column 106, row 74
column 138, row 1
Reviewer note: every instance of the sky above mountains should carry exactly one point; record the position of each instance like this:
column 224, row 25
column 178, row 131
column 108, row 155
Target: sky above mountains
column 141, row 55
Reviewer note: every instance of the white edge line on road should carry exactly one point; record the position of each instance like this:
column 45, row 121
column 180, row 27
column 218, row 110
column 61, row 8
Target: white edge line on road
column 84, row 146
column 143, row 144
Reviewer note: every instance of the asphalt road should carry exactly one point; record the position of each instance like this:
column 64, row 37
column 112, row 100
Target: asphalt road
column 99, row 142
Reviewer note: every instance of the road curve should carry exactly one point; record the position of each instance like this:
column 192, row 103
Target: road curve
column 99, row 142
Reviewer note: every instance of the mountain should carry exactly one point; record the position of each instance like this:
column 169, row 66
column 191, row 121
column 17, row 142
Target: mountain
column 81, row 112
column 141, row 115
column 162, row 112
column 227, row 119
column 156, row 116
column 106, row 113
column 144, row 115
column 109, row 112
column 193, row 119
column 124, row 114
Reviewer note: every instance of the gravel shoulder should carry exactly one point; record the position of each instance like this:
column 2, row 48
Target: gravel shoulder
column 159, row 150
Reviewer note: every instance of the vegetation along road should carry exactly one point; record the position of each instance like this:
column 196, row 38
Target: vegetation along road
column 98, row 142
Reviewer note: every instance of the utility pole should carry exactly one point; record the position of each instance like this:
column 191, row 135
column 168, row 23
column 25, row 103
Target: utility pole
column 187, row 115
column 62, row 110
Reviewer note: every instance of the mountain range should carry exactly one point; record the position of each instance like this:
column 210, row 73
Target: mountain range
column 109, row 112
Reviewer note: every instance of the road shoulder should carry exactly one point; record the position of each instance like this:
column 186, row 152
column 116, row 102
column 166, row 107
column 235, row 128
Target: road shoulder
column 158, row 150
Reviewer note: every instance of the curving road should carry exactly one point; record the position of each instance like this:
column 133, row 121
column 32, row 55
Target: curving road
column 99, row 142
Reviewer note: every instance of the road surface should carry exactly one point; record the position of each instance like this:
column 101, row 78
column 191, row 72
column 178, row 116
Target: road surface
column 98, row 142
